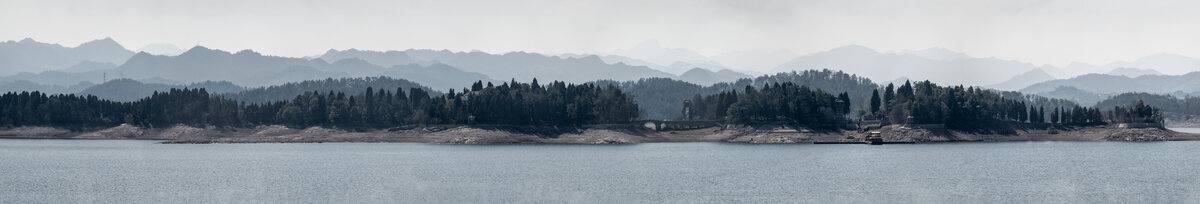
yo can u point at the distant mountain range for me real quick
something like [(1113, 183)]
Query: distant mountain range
[(1091, 88), (886, 66), (1133, 72), (526, 66), (1113, 84), (1074, 94), (23, 85), (247, 68), (28, 55), (678, 60), (1167, 64), (937, 54), (440, 70), (521, 66), (752, 62), (655, 54), (161, 49), (52, 68), (672, 68), (706, 77), (1023, 80), (127, 90)]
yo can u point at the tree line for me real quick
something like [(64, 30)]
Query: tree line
[(968, 107), (772, 103), (557, 104), (662, 98), (958, 107), (1137, 112), (1182, 105), (923, 102), (514, 103)]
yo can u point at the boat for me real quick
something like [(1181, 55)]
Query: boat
[(874, 138)]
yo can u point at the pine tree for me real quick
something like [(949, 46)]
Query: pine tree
[(478, 85), (875, 103)]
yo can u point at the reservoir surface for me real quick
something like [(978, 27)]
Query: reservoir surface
[(140, 171)]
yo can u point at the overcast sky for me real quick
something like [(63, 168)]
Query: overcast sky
[(1038, 31)]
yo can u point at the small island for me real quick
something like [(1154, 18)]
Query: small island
[(561, 113)]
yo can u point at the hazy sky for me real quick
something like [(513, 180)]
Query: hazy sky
[(1039, 31)]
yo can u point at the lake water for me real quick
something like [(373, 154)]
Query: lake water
[(130, 171), (1187, 130)]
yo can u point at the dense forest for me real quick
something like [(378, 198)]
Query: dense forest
[(337, 102), (556, 103), (1136, 112), (785, 102), (125, 90), (969, 107), (1167, 103), (910, 103), (351, 86), (662, 98)]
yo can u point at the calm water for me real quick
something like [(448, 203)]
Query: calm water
[(1188, 130), (120, 171)]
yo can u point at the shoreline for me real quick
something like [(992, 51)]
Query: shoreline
[(610, 134)]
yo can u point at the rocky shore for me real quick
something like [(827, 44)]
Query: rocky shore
[(182, 134)]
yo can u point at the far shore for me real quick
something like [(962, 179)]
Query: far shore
[(614, 134)]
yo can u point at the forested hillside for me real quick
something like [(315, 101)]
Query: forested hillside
[(662, 98), (130, 90), (357, 103), (857, 87), (1167, 103), (957, 107), (556, 103), (786, 102), (966, 108), (350, 86)]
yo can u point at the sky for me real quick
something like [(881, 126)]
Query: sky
[(1054, 32)]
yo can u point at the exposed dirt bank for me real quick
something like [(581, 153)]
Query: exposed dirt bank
[(594, 135)]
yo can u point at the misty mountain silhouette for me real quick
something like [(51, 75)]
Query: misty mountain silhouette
[(1133, 72), (705, 77), (28, 55), (886, 66), (127, 90), (1114, 84), (653, 52), (161, 49), (937, 53), (1074, 94), (1023, 80), (521, 66), (86, 66), (753, 60), (32, 65), (249, 68), (388, 58), (27, 86)]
